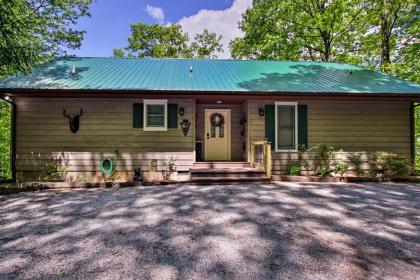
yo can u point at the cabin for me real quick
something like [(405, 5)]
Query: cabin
[(215, 120)]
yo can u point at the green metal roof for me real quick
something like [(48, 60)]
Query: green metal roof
[(94, 73)]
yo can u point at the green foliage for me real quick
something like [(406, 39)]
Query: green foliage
[(356, 162), (33, 31), (389, 165), (297, 29), (324, 171), (169, 167), (341, 167), (378, 34), (118, 53), (293, 170), (52, 168), (206, 45), (169, 42), (54, 172), (157, 41), (5, 138)]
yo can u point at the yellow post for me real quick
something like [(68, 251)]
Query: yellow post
[(252, 153), (268, 163)]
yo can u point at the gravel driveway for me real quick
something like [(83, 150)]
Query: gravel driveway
[(268, 231)]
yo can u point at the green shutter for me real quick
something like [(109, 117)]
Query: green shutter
[(172, 115), (138, 115), (270, 124), (303, 125)]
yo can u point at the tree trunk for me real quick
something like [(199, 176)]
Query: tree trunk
[(327, 47), (385, 46)]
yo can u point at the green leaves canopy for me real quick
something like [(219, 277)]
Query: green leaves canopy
[(297, 29), (381, 34), (32, 31), (168, 41), (206, 45), (157, 41)]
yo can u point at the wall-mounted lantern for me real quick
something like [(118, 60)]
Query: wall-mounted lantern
[(185, 125), (261, 112), (181, 111)]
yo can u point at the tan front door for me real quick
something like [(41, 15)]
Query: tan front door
[(217, 135)]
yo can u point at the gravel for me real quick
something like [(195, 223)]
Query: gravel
[(266, 231)]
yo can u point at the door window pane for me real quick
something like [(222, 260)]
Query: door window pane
[(286, 127)]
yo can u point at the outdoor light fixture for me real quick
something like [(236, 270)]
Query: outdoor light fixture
[(219, 102), (181, 111), (185, 125), (7, 98), (261, 112)]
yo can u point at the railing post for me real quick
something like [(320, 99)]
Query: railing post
[(252, 157), (268, 166)]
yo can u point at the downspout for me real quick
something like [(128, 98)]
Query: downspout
[(9, 100)]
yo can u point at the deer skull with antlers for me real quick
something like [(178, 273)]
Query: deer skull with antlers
[(73, 121)]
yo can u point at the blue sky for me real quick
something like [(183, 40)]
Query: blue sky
[(109, 25)]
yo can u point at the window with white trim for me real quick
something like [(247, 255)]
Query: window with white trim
[(155, 115), (286, 126)]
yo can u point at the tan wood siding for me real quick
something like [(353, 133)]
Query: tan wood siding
[(236, 138), (350, 126), (105, 126)]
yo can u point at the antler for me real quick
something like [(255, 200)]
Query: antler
[(65, 113)]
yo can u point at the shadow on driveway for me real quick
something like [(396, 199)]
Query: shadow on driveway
[(284, 230)]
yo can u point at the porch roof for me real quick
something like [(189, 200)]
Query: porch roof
[(123, 74)]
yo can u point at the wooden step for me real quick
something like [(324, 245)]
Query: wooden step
[(239, 173), (210, 180), (221, 164), (227, 172)]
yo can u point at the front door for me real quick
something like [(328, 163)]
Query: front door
[(217, 134)]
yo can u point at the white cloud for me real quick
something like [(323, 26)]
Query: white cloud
[(223, 22), (156, 13)]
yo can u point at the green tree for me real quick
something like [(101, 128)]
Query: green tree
[(391, 40), (169, 42), (156, 41), (319, 30), (5, 140), (35, 30), (118, 52), (206, 45)]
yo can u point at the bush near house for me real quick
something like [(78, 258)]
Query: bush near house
[(5, 140), (327, 161)]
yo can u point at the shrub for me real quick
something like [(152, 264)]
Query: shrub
[(341, 167), (293, 170), (356, 161), (169, 167), (389, 165), (324, 171)]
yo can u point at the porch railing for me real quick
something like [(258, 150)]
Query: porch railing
[(260, 156)]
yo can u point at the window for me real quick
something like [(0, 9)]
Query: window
[(155, 115), (286, 126)]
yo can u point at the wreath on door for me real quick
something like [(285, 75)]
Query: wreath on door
[(217, 120)]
